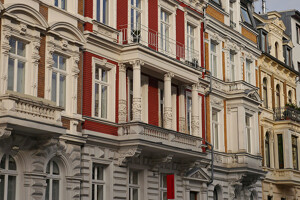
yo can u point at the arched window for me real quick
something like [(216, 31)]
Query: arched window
[(265, 92), (8, 177), (217, 193), (278, 96), (267, 149), (276, 49), (290, 96), (53, 181)]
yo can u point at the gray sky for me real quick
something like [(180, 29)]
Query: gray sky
[(278, 5)]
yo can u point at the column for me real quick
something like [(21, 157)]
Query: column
[(168, 100), (272, 153), (137, 99), (195, 110), (182, 110), (122, 93)]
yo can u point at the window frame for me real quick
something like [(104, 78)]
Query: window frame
[(290, 96), (265, 92), (162, 189), (213, 65), (280, 153), (58, 4), (295, 157), (248, 129), (99, 14), (133, 186), (298, 33), (165, 27), (190, 41), (267, 150), (248, 71), (232, 65), (289, 56), (6, 173), (245, 8), (96, 182), (51, 178), (101, 83), (215, 126)]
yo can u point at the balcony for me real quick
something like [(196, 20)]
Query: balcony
[(284, 176), (286, 113), (30, 115), (160, 43)]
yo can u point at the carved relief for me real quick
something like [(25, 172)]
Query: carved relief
[(137, 108), (5, 132), (182, 124), (124, 154), (168, 117), (122, 110), (195, 125)]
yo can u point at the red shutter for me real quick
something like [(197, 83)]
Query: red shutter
[(170, 187)]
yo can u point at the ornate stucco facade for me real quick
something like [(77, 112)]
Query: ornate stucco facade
[(279, 127)]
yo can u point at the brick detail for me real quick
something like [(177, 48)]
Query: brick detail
[(65, 123), (80, 7), (153, 24), (180, 27), (153, 102), (249, 35), (44, 11), (215, 14), (2, 1), (42, 68), (102, 128)]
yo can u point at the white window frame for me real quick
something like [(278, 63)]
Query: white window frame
[(96, 182), (111, 76), (100, 16), (59, 72), (101, 83), (232, 15), (189, 112), (134, 11), (60, 4), (249, 131), (53, 177), (248, 71), (133, 186), (190, 41), (165, 27), (213, 65), (162, 189), (215, 124), (6, 172), (16, 59)]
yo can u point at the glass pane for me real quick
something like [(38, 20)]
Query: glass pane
[(12, 44), (97, 69), (62, 63), (100, 171), (2, 187), (134, 175), (246, 15), (11, 69), (47, 189), (11, 190), (63, 4), (55, 59), (55, 190), (216, 135), (213, 47), (104, 76), (62, 91), (104, 102), (135, 194), (56, 3), (54, 87), (193, 196), (21, 77), (247, 120), (214, 116), (48, 168), (99, 192), (93, 191), (105, 11), (55, 168), (12, 164), (97, 100), (98, 10), (163, 181), (214, 65), (21, 49), (2, 163), (138, 4)]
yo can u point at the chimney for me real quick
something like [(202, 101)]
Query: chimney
[(263, 7)]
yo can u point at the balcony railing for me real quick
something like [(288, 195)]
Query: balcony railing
[(286, 113), (139, 34)]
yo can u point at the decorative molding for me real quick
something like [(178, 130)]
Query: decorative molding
[(168, 117), (122, 110), (125, 154), (137, 108), (5, 132)]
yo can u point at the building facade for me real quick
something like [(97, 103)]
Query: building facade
[(279, 118), (114, 99)]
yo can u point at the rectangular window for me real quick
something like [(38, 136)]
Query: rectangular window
[(101, 92), (136, 13), (102, 11), (248, 132), (232, 66), (61, 4), (190, 42), (189, 113), (16, 66), (298, 33), (245, 15), (248, 71), (58, 85), (264, 44), (295, 152), (164, 28), (280, 151), (213, 57), (98, 183), (163, 187), (134, 185), (193, 195), (215, 128), (288, 57), (216, 1)]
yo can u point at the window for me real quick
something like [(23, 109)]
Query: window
[(215, 128), (231, 12), (61, 4), (213, 57), (288, 57), (101, 92), (190, 42), (98, 183), (265, 92), (290, 96), (280, 151), (276, 49), (16, 66), (245, 15), (130, 113), (267, 149), (217, 193), (189, 113), (270, 197), (193, 195), (133, 185), (164, 28), (163, 187), (298, 33), (295, 151), (216, 1), (248, 132), (161, 105), (278, 96), (59, 74), (102, 11), (248, 71), (264, 43), (8, 176), (53, 181), (232, 66), (136, 19)]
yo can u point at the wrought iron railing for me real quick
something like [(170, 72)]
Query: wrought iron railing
[(139, 34), (286, 113)]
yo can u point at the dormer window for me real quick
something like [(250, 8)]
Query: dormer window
[(217, 2), (245, 15), (264, 43), (288, 57)]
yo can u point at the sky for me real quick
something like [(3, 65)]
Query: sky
[(278, 5)]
